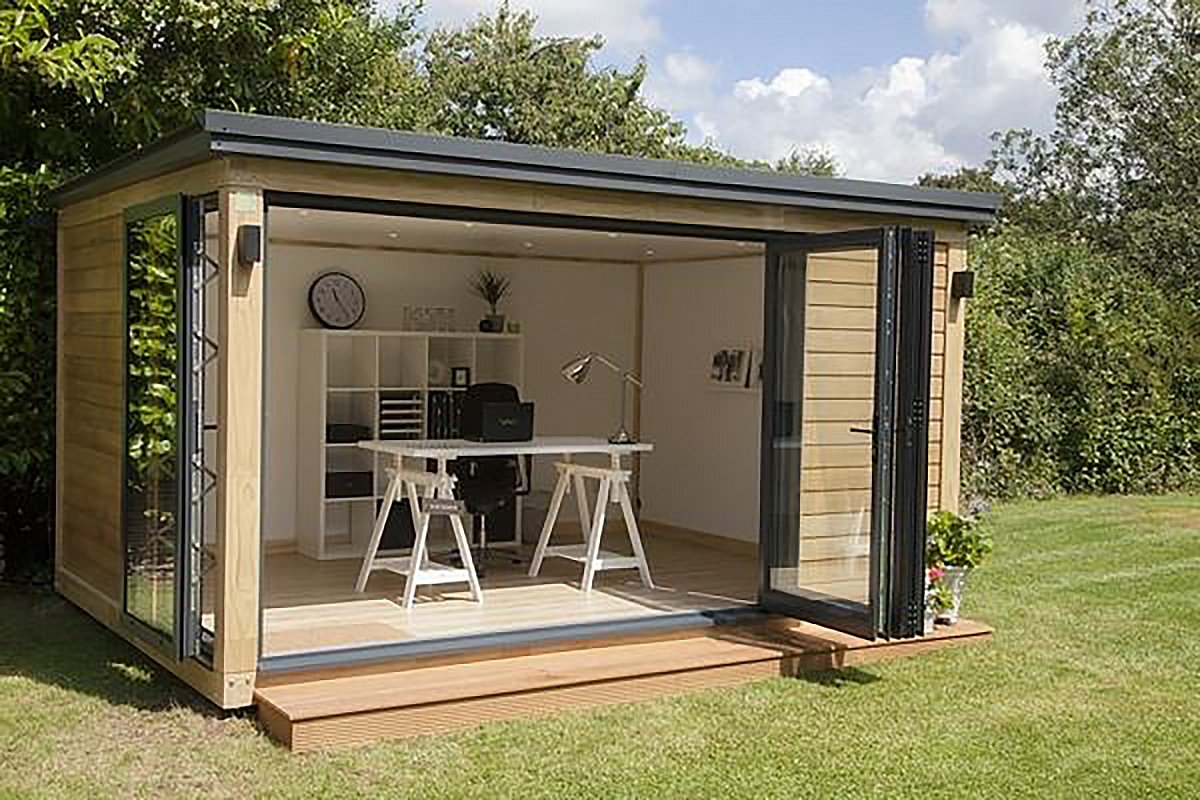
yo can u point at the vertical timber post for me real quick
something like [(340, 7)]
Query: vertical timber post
[(239, 449), (952, 382)]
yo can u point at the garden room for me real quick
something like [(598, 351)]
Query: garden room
[(377, 328)]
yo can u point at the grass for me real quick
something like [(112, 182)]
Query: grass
[(1090, 688)]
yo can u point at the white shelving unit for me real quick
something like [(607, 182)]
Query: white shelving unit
[(380, 380)]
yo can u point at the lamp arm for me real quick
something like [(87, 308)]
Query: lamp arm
[(624, 373)]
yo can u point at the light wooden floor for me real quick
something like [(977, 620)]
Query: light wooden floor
[(311, 605)]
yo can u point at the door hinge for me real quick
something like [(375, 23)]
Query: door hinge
[(916, 420)]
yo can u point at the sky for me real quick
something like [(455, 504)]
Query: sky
[(892, 88)]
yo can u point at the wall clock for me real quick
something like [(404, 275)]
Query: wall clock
[(337, 300)]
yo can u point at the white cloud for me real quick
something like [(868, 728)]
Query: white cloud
[(628, 26), (896, 121), (965, 16), (787, 85), (686, 69)]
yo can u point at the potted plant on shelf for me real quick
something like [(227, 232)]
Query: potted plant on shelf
[(955, 544), (491, 287)]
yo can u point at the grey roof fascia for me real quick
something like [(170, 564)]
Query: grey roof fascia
[(230, 133), (277, 137), (183, 148)]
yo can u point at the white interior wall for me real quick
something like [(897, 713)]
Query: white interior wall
[(565, 308), (703, 473)]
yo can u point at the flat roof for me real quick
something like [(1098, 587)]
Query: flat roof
[(222, 133)]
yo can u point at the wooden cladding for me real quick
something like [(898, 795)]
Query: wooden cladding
[(91, 419), (839, 384)]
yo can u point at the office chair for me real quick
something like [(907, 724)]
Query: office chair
[(488, 484)]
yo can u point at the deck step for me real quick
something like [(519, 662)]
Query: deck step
[(327, 712)]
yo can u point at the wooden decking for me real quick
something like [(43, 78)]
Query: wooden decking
[(333, 709)]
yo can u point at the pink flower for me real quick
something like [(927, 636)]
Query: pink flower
[(936, 574)]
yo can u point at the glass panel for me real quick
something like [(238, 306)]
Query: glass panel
[(204, 386), (824, 440), (152, 434)]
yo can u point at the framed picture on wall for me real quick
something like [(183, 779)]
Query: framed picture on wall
[(736, 367), (729, 367), (460, 377)]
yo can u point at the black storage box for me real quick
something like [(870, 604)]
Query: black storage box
[(398, 533), (506, 422), (493, 412), (349, 484), (346, 433)]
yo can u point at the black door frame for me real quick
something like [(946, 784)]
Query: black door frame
[(182, 641), (899, 431), (915, 346)]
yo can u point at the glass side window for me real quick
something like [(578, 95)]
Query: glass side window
[(152, 464)]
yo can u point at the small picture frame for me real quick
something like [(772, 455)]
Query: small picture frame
[(729, 367), (737, 366), (460, 377)]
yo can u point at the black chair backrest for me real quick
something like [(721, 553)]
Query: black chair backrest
[(490, 482), (475, 397)]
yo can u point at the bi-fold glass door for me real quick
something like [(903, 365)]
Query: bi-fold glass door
[(167, 481), (845, 430)]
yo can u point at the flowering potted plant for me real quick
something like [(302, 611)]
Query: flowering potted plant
[(937, 596), (956, 544)]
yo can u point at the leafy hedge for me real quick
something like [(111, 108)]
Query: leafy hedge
[(27, 366), (1081, 375)]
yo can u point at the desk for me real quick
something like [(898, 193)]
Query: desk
[(414, 482)]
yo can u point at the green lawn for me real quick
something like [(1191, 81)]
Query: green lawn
[(1090, 688)]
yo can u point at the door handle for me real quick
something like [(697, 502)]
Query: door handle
[(868, 431)]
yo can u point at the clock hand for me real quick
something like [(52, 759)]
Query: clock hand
[(338, 298)]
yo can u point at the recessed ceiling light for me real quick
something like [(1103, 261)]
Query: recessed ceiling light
[(527, 245), (393, 235), (649, 251), (613, 234), (741, 244), (468, 224), (304, 212)]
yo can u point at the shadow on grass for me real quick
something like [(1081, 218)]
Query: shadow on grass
[(837, 678), (45, 639)]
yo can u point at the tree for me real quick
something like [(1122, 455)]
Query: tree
[(316, 59), (1122, 165), (1083, 343), (809, 161), (966, 179), (497, 79), (1081, 374), (33, 60), (84, 81)]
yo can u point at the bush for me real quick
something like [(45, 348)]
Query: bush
[(1082, 375), (27, 368)]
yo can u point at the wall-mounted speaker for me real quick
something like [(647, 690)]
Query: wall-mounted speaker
[(962, 285), (249, 245)]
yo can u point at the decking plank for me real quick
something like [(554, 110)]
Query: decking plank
[(356, 708)]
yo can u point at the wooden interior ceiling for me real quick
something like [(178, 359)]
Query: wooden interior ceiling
[(377, 231)]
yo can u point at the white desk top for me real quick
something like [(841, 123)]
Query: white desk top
[(450, 449)]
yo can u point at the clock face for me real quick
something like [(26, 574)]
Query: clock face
[(336, 300)]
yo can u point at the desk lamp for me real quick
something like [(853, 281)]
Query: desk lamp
[(576, 371)]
